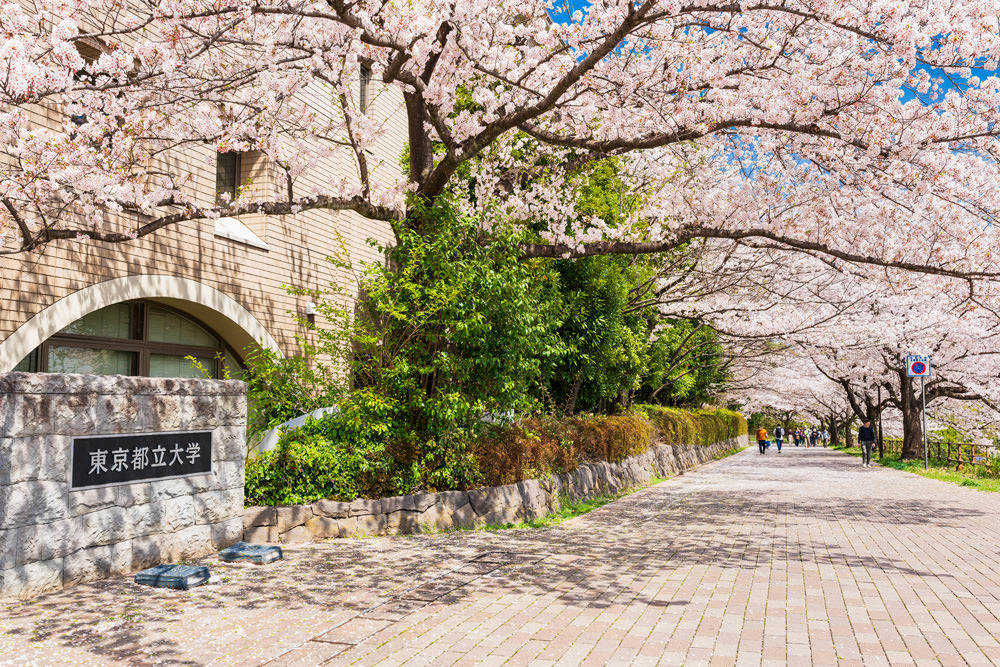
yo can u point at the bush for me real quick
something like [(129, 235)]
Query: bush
[(339, 457), (538, 447), (359, 452), (279, 389), (992, 467), (304, 469), (694, 427)]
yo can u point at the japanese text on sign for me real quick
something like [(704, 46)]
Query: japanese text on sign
[(121, 459)]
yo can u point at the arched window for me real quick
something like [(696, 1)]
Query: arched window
[(134, 338)]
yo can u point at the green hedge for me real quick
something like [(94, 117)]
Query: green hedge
[(344, 457), (537, 447), (694, 427)]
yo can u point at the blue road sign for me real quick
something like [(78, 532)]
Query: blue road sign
[(918, 366)]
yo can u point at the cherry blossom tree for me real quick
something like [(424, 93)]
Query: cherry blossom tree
[(853, 328), (861, 132)]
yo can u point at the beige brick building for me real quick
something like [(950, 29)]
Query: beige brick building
[(200, 287)]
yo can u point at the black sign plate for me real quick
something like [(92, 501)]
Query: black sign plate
[(102, 460)]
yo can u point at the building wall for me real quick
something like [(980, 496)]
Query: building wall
[(297, 248)]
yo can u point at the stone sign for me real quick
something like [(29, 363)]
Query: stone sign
[(105, 475), (121, 459)]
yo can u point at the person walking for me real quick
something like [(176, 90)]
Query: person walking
[(866, 437), (813, 438), (762, 439), (826, 437), (779, 434)]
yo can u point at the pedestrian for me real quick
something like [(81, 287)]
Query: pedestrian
[(779, 434), (813, 437), (866, 436), (762, 439), (826, 437)]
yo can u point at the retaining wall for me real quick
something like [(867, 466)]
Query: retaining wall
[(529, 499), (52, 535)]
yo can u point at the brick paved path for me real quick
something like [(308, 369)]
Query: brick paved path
[(800, 559)]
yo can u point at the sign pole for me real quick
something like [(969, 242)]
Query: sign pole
[(923, 414), (881, 443)]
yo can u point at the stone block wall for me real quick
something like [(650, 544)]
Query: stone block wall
[(52, 536), (530, 499)]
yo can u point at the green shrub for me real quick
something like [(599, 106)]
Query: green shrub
[(542, 446), (367, 450), (694, 427), (341, 456), (282, 388), (304, 469), (362, 451), (990, 468)]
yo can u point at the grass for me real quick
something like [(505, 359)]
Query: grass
[(729, 452), (570, 510), (937, 469), (567, 509)]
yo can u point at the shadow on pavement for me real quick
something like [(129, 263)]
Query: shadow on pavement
[(721, 516)]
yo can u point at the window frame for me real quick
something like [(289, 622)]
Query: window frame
[(364, 84), (90, 49), (237, 169), (140, 345)]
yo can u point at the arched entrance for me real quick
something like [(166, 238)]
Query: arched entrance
[(140, 325)]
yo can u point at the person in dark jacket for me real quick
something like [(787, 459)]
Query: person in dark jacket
[(779, 435), (866, 437)]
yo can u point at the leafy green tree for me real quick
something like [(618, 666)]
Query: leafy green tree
[(606, 345), (451, 336), (685, 364)]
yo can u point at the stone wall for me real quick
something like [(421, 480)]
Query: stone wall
[(529, 499), (52, 536)]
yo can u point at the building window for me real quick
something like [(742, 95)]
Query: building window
[(134, 338), (29, 363), (90, 55), (364, 85), (227, 177)]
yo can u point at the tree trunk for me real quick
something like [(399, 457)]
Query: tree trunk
[(913, 434), (834, 437), (421, 147), (878, 430), (849, 432), (574, 391)]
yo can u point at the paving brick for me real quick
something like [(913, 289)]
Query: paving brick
[(752, 560)]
